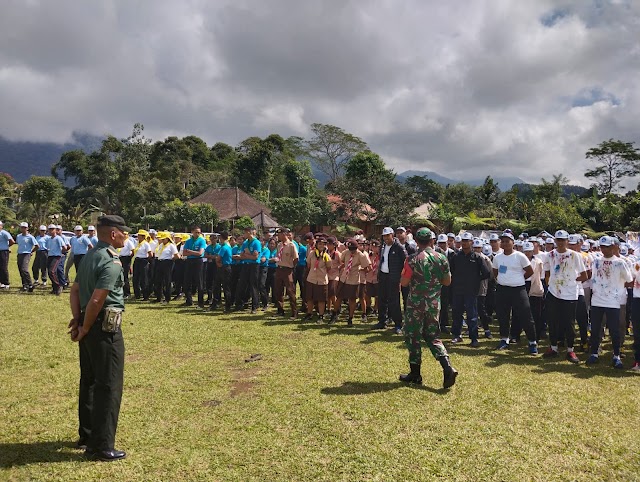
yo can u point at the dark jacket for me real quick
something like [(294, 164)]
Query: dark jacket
[(467, 271), (397, 255)]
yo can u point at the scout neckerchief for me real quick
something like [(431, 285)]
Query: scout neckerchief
[(350, 263), (280, 252), (324, 257), (374, 265)]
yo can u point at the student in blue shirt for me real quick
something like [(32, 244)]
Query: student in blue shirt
[(39, 267), (92, 236), (27, 244), (210, 253), (80, 244), (236, 249), (262, 275), (6, 241), (222, 283), (250, 254), (271, 269), (194, 251), (56, 247)]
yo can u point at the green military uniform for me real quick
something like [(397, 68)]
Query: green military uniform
[(425, 270), (423, 304), (101, 353)]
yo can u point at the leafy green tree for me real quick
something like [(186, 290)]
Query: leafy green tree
[(331, 148), (553, 216), (43, 194), (179, 215), (426, 189), (489, 192), (295, 212), (550, 191), (243, 223), (615, 160), (8, 188)]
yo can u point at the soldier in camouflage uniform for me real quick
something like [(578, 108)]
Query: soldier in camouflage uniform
[(425, 273)]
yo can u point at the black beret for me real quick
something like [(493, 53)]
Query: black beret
[(114, 221)]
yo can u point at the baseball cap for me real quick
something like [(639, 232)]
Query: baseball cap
[(624, 250), (507, 234), (151, 231), (549, 241), (519, 242), (423, 234), (1, 223), (59, 226), (442, 238), (494, 237), (114, 222), (533, 239), (561, 234), (585, 247), (478, 244), (451, 235), (457, 239), (78, 228), (606, 241), (91, 228), (486, 250), (401, 228), (52, 226), (573, 239), (527, 246), (387, 230), (24, 225), (43, 227), (466, 236)]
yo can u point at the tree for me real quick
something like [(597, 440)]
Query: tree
[(244, 222), (295, 212), (426, 189), (546, 216), (489, 192), (550, 191), (43, 194), (181, 216), (614, 160), (331, 148), (8, 187)]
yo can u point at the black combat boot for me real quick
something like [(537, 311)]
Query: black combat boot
[(448, 371), (413, 376)]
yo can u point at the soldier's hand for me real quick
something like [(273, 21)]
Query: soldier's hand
[(79, 335), (73, 328)]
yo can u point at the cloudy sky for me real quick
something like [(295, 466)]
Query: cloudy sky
[(463, 88)]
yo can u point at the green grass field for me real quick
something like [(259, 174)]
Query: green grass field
[(322, 404)]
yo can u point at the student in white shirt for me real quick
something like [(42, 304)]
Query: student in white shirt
[(535, 288), (635, 315), (610, 275), (564, 270), (126, 253), (166, 253), (141, 284), (510, 269)]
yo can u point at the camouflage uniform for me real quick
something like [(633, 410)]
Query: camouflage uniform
[(427, 268)]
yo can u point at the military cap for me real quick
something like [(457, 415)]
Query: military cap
[(309, 235), (113, 221), (332, 240), (424, 234)]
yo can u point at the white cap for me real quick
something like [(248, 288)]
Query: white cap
[(585, 247), (24, 225), (527, 246), (477, 244), (466, 236), (442, 238), (623, 250), (534, 239), (78, 228), (91, 228), (401, 228), (451, 235), (561, 234), (457, 239), (507, 234), (519, 242), (59, 226), (387, 230), (153, 231), (606, 241), (494, 237), (43, 227), (549, 241), (1, 223), (52, 226), (486, 250), (573, 239)]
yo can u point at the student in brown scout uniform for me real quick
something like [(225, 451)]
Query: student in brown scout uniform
[(372, 276), (363, 247), (318, 265), (286, 259), (351, 261), (333, 274)]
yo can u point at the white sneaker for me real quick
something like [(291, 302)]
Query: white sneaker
[(636, 367), (44, 284), (1, 286), (5, 287)]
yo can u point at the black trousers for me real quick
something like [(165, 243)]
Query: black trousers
[(485, 319), (101, 381), (262, 286), (222, 283), (490, 303), (210, 277), (151, 275), (162, 281), (597, 328), (235, 277), (248, 277), (4, 267), (39, 267), (445, 303), (536, 311), (389, 300), (582, 317), (514, 300), (193, 280), (270, 284), (140, 277), (23, 268), (126, 267), (298, 277), (178, 276), (561, 316), (77, 259)]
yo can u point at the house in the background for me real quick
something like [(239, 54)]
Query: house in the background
[(232, 203), (365, 220)]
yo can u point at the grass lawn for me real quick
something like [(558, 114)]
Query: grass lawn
[(322, 404)]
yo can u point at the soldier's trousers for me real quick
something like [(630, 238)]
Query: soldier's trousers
[(23, 267), (39, 267), (101, 381), (422, 325)]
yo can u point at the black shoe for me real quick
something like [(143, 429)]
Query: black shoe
[(413, 376), (81, 444), (449, 373), (105, 455), (333, 319), (253, 312), (445, 330), (378, 326), (308, 317), (187, 304), (350, 322), (30, 289)]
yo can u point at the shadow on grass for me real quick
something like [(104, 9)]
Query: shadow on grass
[(367, 388), (17, 454)]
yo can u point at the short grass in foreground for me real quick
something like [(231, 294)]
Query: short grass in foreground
[(322, 403)]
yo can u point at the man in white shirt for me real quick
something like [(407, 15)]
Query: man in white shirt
[(610, 275), (635, 315), (126, 253), (141, 282), (166, 253), (510, 269), (391, 264), (564, 269)]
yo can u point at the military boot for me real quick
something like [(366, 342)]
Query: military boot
[(413, 376), (448, 371)]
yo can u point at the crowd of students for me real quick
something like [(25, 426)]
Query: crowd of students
[(542, 286)]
